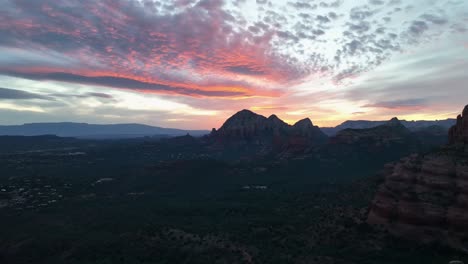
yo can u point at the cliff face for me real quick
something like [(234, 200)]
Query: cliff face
[(458, 134), (425, 198)]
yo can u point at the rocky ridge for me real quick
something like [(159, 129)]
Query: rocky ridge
[(391, 131), (411, 125), (425, 197), (458, 134)]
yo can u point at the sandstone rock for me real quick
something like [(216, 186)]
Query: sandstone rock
[(425, 197), (249, 126), (458, 134)]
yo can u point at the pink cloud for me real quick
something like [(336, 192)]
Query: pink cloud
[(195, 52)]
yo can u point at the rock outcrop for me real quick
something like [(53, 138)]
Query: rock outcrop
[(249, 126), (425, 197), (458, 134)]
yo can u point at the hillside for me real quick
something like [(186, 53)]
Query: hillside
[(411, 125), (95, 131)]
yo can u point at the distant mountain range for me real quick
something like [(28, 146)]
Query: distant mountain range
[(411, 125), (249, 134), (94, 131), (272, 125), (390, 131)]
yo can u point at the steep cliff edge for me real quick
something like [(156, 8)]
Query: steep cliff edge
[(425, 197), (458, 134)]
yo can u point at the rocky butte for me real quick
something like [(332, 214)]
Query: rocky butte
[(425, 197), (248, 127)]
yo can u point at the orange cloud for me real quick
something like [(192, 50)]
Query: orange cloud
[(120, 44)]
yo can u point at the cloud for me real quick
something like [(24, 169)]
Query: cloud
[(103, 96), (439, 20), (360, 13), (12, 94), (221, 55), (123, 83), (200, 48), (417, 28), (414, 104), (323, 19), (100, 95), (180, 53), (301, 5), (376, 2)]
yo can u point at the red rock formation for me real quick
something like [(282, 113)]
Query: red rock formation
[(425, 198), (247, 125), (458, 134)]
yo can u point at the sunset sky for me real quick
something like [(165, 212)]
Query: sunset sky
[(193, 63)]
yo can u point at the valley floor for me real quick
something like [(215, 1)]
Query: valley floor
[(140, 202)]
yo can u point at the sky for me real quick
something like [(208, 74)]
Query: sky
[(193, 63)]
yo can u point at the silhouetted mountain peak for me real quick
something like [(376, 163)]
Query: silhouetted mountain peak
[(244, 113), (306, 128), (304, 123), (276, 122), (243, 118), (247, 125), (394, 122)]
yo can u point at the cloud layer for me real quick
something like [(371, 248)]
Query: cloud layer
[(214, 55)]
